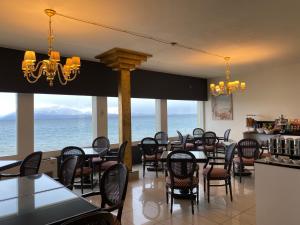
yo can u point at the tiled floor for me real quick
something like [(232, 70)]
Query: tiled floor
[(146, 204)]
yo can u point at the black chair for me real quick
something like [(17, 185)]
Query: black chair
[(178, 144), (220, 146), (248, 152), (209, 142), (29, 166), (151, 156), (113, 188), (223, 174), (110, 160), (82, 170), (67, 171), (161, 136), (92, 218), (100, 142), (182, 174), (197, 134)]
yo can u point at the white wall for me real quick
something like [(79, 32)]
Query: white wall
[(270, 92)]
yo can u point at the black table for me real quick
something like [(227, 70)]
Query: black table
[(7, 164), (199, 155), (91, 152), (38, 200)]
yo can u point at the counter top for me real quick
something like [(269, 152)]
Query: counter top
[(285, 134), (278, 163)]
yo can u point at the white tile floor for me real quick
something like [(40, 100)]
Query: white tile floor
[(146, 204)]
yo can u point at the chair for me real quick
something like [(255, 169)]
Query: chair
[(161, 136), (197, 134), (178, 144), (29, 166), (248, 152), (220, 146), (151, 156), (219, 174), (182, 175), (110, 160), (92, 218), (209, 142), (81, 170), (100, 142), (67, 171), (113, 188)]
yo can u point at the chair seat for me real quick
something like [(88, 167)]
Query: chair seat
[(183, 183), (151, 157), (96, 160), (85, 171), (208, 148), (106, 164), (246, 161), (189, 145), (216, 172), (220, 145)]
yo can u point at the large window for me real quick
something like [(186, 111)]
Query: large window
[(8, 129), (182, 116), (113, 120), (62, 120), (142, 118)]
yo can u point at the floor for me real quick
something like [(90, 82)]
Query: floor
[(146, 204)]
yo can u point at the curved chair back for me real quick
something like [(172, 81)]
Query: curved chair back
[(67, 171), (248, 148), (101, 142), (185, 141), (31, 164), (149, 147), (121, 152), (181, 164), (180, 137), (209, 138), (73, 151), (113, 188), (229, 154), (161, 136), (226, 134), (93, 218), (198, 132)]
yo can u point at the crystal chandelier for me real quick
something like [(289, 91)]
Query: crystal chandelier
[(227, 87), (50, 67)]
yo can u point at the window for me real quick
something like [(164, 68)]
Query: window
[(62, 120), (142, 118), (182, 116), (8, 128), (113, 120)]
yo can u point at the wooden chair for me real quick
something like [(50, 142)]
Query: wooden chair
[(161, 136), (92, 218), (67, 172), (100, 142), (182, 175), (220, 174), (151, 156), (113, 188), (209, 142), (220, 146), (248, 152)]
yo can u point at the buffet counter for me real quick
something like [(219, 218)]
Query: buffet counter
[(265, 137), (277, 192)]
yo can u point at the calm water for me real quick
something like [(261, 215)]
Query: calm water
[(57, 133)]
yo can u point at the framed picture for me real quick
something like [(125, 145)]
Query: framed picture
[(222, 108)]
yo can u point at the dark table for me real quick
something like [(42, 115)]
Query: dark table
[(38, 200), (199, 155), (94, 152), (7, 164)]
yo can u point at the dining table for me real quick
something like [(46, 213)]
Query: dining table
[(8, 164), (91, 152), (38, 200), (199, 155)]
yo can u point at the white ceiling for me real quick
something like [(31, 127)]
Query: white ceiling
[(254, 33)]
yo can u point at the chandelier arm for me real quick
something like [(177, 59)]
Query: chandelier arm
[(74, 76), (37, 67), (61, 73)]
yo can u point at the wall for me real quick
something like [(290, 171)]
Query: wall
[(270, 92)]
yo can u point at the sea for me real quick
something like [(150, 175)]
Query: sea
[(55, 134)]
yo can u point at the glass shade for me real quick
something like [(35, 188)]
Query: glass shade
[(212, 86), (55, 55), (69, 62), (30, 56), (24, 65), (243, 85), (76, 60)]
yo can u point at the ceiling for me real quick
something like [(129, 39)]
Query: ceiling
[(257, 33)]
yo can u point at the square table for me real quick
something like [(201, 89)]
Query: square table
[(199, 155), (7, 164), (94, 152), (38, 200)]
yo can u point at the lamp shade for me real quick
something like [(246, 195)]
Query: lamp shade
[(55, 55), (76, 60), (69, 62), (30, 56)]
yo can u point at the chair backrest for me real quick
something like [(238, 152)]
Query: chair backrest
[(180, 136), (121, 152), (226, 134), (248, 148), (113, 188), (229, 154), (73, 151), (67, 171), (31, 164), (198, 132), (93, 218), (161, 136), (185, 141), (181, 164), (209, 138), (101, 142), (149, 146)]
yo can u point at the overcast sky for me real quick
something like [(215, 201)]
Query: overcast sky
[(84, 104)]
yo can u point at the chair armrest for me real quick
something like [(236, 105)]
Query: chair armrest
[(217, 163), (86, 195), (9, 175)]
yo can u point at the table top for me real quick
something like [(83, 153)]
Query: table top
[(199, 155), (94, 152), (160, 143), (30, 200), (7, 164)]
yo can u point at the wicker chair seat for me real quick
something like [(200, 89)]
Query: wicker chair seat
[(85, 171), (106, 164), (207, 148), (97, 160), (220, 145), (182, 183), (151, 157), (216, 173), (189, 145), (246, 161)]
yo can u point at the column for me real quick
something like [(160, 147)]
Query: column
[(161, 114), (99, 116), (201, 114)]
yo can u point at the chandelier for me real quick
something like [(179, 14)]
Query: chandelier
[(227, 87), (50, 67)]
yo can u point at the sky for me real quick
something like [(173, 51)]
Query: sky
[(84, 104)]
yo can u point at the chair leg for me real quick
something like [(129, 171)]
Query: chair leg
[(172, 195), (81, 183), (208, 190), (230, 188), (226, 187), (197, 194), (192, 200), (156, 169), (92, 181), (240, 172), (204, 183), (144, 169), (167, 194)]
